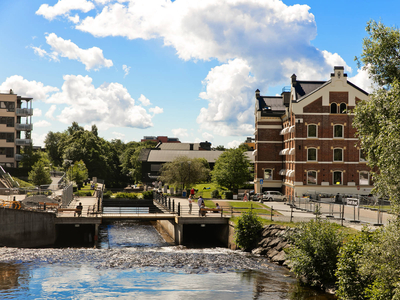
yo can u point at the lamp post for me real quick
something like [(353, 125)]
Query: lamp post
[(189, 162)]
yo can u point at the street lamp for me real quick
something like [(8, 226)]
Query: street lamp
[(189, 162)]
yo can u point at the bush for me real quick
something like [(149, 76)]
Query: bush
[(147, 195), (215, 194), (127, 195), (248, 231), (228, 195), (351, 283), (314, 251), (83, 193), (107, 195)]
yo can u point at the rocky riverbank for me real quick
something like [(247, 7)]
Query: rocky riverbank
[(273, 243)]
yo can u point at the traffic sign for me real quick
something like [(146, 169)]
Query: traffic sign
[(261, 181)]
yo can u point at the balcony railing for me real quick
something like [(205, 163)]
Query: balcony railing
[(24, 112), (23, 142), (26, 127), (18, 157)]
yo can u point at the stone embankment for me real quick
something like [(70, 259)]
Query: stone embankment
[(273, 243)]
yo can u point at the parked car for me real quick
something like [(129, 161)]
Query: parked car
[(274, 196), (257, 197)]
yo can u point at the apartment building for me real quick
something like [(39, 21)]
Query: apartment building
[(15, 127), (305, 141)]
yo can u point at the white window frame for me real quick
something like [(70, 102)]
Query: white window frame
[(341, 177), (316, 153), (316, 131), (338, 137), (359, 178), (316, 177), (334, 154), (271, 172)]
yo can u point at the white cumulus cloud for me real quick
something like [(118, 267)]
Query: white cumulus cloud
[(126, 70), (26, 88), (109, 105), (42, 123), (92, 58), (144, 100), (63, 7), (233, 144), (50, 112), (156, 110), (180, 132), (37, 112)]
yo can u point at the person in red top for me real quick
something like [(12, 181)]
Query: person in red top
[(192, 192)]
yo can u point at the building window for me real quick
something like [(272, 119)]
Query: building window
[(155, 167), (311, 177), (337, 178), (268, 174), (364, 178), (338, 154), (338, 131), (343, 108), (333, 108), (362, 156), (312, 131), (311, 154)]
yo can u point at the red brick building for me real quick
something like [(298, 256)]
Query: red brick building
[(305, 141)]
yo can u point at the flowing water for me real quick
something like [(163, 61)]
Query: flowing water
[(133, 261)]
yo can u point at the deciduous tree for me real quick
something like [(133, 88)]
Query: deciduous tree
[(40, 173), (232, 169)]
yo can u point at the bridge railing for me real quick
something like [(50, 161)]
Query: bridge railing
[(167, 203)]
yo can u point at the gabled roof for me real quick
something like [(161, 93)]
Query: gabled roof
[(303, 88), (273, 103), (317, 88)]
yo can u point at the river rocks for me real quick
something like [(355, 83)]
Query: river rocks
[(273, 244)]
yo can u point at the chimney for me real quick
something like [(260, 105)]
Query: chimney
[(294, 77), (257, 93)]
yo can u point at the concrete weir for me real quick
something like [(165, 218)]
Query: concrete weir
[(198, 231)]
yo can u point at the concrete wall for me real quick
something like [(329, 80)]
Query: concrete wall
[(20, 228)]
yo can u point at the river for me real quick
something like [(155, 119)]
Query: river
[(133, 261)]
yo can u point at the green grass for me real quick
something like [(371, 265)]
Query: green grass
[(22, 183), (206, 193)]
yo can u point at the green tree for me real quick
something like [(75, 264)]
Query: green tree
[(248, 230), (30, 157), (220, 148), (378, 127), (184, 171), (232, 169), (40, 173), (78, 172), (314, 250), (380, 54), (52, 142)]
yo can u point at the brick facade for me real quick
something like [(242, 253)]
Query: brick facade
[(312, 146)]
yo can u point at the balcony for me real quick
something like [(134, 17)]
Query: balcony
[(24, 112), (24, 127), (23, 142), (18, 157)]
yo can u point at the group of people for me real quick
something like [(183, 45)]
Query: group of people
[(200, 201)]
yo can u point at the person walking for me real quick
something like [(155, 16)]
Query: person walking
[(245, 196), (192, 193), (190, 204)]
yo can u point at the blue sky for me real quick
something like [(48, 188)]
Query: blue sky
[(185, 69)]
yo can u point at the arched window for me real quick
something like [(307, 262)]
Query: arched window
[(338, 131), (312, 131), (364, 178), (268, 174), (312, 154), (338, 154), (333, 108), (343, 108), (311, 177), (338, 178)]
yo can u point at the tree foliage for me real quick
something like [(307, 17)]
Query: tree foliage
[(314, 251), (232, 169), (40, 173), (248, 230), (78, 172), (380, 54), (378, 126), (184, 171)]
